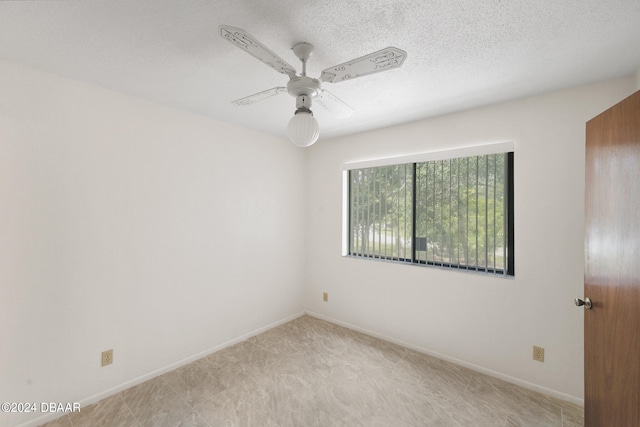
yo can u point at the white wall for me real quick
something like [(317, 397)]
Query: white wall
[(638, 79), (485, 322), (129, 225)]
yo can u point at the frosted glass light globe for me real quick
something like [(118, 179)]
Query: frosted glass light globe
[(303, 129)]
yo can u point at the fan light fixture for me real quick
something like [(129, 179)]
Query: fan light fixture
[(303, 129)]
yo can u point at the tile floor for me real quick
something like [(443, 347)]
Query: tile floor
[(309, 372)]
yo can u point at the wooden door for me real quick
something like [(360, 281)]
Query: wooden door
[(612, 267)]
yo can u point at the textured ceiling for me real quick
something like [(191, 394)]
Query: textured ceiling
[(461, 54)]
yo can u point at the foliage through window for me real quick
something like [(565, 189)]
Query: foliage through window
[(455, 213)]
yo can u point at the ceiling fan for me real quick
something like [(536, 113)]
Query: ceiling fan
[(303, 128)]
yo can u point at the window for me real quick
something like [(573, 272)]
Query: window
[(454, 212)]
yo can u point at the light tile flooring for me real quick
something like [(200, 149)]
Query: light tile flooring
[(309, 372)]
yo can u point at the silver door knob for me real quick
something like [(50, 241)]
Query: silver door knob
[(586, 302)]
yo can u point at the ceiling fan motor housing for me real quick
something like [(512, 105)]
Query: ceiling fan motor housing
[(303, 85)]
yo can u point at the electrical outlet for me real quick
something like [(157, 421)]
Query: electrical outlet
[(538, 354), (107, 357), (325, 297)]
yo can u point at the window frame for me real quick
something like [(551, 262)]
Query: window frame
[(480, 150)]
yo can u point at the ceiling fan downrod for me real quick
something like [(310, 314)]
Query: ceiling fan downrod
[(303, 51)]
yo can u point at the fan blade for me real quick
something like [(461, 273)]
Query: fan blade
[(382, 60), (247, 42), (260, 96), (333, 104)]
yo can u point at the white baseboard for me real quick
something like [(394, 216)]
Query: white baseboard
[(150, 375), (504, 377)]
